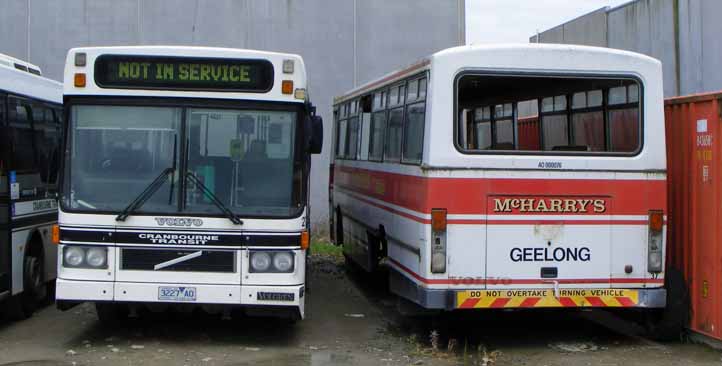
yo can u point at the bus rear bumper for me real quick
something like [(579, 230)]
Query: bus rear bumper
[(453, 299), (74, 291)]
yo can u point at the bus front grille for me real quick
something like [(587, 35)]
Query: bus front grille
[(179, 260)]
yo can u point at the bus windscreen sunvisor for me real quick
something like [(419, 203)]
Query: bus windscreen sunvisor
[(183, 73)]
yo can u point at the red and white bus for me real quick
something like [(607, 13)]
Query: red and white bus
[(511, 176)]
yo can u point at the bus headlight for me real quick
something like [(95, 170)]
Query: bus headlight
[(85, 257), (73, 256), (283, 261), (271, 262), (96, 257), (260, 261)]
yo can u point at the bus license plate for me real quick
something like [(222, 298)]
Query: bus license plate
[(176, 293)]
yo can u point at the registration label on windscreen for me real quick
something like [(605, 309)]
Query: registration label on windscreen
[(168, 293)]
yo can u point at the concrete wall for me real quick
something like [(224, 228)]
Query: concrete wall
[(683, 34), (589, 29), (647, 26), (700, 45), (343, 42)]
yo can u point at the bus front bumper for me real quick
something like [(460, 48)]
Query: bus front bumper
[(243, 295)]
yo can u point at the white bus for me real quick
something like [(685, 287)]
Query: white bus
[(511, 176), (185, 180), (30, 120)]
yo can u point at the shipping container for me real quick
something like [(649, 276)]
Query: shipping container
[(695, 188)]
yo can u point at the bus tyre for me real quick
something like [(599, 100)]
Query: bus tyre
[(339, 227), (111, 314), (23, 305), (668, 324)]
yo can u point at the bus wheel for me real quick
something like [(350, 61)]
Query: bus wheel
[(111, 314), (339, 227), (23, 305), (668, 324)]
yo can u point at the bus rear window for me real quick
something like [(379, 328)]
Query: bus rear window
[(548, 114)]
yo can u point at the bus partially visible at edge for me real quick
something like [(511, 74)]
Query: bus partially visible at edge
[(185, 180), (30, 137), (510, 177)]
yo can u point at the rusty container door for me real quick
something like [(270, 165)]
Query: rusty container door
[(695, 221)]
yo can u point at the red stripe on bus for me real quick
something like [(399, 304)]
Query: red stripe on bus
[(469, 195), (497, 221), (509, 281), (529, 302), (624, 301), (499, 303), (469, 303), (567, 302), (595, 301)]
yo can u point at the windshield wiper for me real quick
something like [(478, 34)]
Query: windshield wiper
[(145, 195), (207, 192)]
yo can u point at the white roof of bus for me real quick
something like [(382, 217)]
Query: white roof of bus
[(25, 83), (276, 58), (520, 57)]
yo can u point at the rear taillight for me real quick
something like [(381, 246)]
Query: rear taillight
[(438, 240), (655, 257)]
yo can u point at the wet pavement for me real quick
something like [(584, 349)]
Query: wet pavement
[(350, 320)]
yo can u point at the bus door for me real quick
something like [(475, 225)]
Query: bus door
[(531, 242)]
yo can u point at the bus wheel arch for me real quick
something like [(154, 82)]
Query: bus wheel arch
[(24, 304)]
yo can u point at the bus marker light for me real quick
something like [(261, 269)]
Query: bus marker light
[(80, 59), (56, 234), (304, 240), (300, 94), (287, 87), (655, 242), (438, 219), (79, 80), (656, 220), (288, 66)]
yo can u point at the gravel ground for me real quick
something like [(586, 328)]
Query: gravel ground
[(351, 320)]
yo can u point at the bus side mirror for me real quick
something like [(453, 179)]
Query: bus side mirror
[(316, 138)]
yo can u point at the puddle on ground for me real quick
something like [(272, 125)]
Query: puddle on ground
[(313, 359), (40, 363)]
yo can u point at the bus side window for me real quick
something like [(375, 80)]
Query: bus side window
[(352, 130), (414, 122), (341, 138), (378, 127), (46, 130), (393, 134), (20, 132), (365, 121)]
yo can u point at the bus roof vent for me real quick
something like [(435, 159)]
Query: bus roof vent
[(18, 64)]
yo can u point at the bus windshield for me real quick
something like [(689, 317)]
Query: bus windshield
[(244, 157)]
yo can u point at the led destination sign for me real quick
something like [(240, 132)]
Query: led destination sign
[(183, 73)]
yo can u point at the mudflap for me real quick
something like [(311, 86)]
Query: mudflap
[(668, 324)]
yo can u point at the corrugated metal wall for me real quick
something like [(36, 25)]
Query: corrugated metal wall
[(343, 42), (683, 34)]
